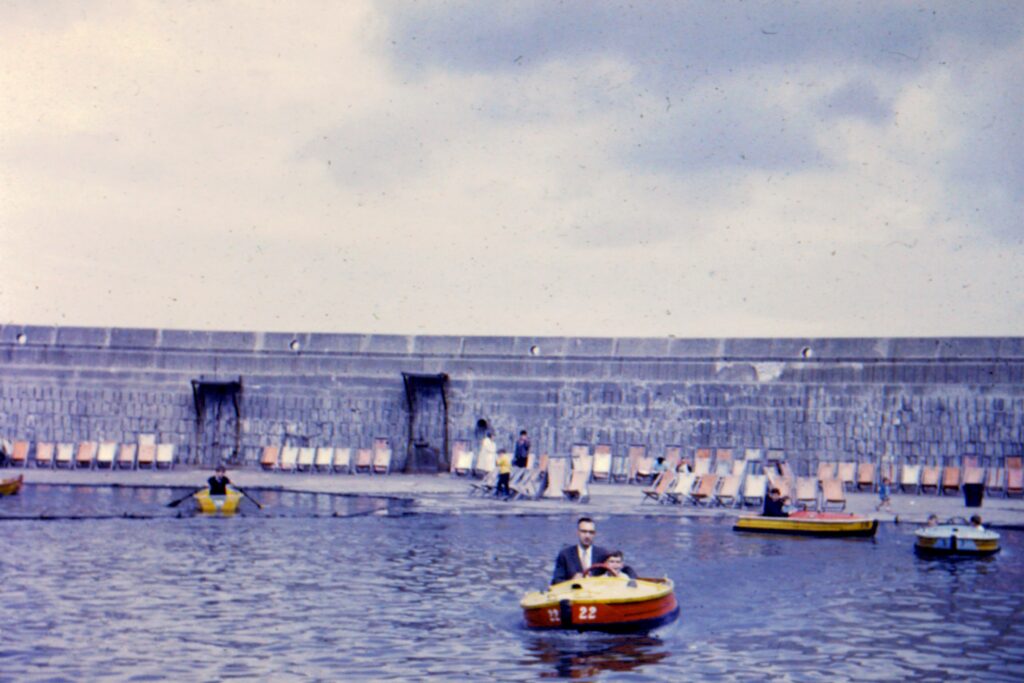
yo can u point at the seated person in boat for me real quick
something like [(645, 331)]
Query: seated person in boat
[(219, 482), (933, 520), (775, 504), (616, 566), (976, 523), (573, 560)]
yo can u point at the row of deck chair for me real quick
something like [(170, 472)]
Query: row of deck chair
[(376, 460), (92, 455), (1008, 480)]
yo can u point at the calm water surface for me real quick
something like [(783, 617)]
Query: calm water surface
[(334, 588)]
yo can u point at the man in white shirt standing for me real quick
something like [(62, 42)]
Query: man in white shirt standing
[(574, 560)]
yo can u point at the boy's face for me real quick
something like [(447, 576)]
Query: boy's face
[(615, 562)]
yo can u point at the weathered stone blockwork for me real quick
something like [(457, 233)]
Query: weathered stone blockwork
[(842, 398)]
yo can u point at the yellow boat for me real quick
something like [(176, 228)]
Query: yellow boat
[(955, 537), (602, 603), (806, 523), (212, 505), (9, 487)]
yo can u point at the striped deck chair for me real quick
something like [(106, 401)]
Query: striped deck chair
[(557, 467), (723, 462), (364, 460), (702, 461), (289, 458), (462, 459), (105, 455), (704, 490), (833, 495), (681, 489), (659, 488), (85, 456), (304, 463), (826, 470), (44, 454), (637, 454), (866, 476), (324, 458), (910, 477), (146, 456), (728, 491), (807, 493), (19, 454), (602, 462), (65, 455), (754, 489), (930, 477), (577, 488), (847, 474), (342, 460), (950, 479), (381, 456), (126, 456), (270, 457)]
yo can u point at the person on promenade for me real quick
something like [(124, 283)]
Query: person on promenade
[(573, 560), (884, 495), (775, 504), (488, 451), (522, 452), (504, 465), (616, 566), (218, 483)]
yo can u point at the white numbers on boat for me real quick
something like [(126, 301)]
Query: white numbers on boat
[(553, 616), (587, 612)]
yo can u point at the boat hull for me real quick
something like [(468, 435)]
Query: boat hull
[(810, 524), (9, 487), (604, 604), (217, 505), (955, 541)]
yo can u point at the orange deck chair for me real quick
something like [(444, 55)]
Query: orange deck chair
[(364, 460), (577, 488), (44, 454), (950, 479), (704, 490), (728, 491), (557, 468), (324, 459), (126, 456), (930, 478), (973, 472), (833, 496), (847, 474), (1014, 476), (270, 456), (807, 492), (602, 462), (19, 454), (673, 456), (702, 461), (146, 456), (637, 454), (86, 454), (826, 470), (342, 460), (660, 486), (381, 456), (866, 476), (723, 461)]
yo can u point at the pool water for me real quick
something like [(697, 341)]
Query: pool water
[(365, 589)]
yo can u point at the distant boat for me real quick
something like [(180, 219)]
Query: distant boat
[(955, 537), (808, 523), (9, 487)]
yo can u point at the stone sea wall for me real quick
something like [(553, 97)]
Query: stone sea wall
[(920, 398)]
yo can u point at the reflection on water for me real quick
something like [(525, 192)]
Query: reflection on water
[(298, 593)]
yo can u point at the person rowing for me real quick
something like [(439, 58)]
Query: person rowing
[(218, 483)]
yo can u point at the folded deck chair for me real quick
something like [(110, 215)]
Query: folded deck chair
[(529, 487), (702, 461), (270, 456), (930, 476), (146, 457), (910, 478), (723, 462), (728, 491), (1014, 481), (85, 456), (681, 488), (381, 459), (44, 454), (485, 486), (364, 460), (634, 456), (324, 458), (19, 454), (105, 455), (754, 489), (950, 479), (462, 459), (289, 458), (342, 460), (807, 492), (304, 463), (660, 487), (126, 456), (833, 495), (65, 455), (557, 468), (995, 480), (704, 490), (577, 488), (866, 476), (826, 470), (847, 473), (602, 462)]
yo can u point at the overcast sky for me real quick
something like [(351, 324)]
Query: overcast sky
[(697, 169)]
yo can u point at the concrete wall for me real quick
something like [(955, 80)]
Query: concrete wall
[(842, 398)]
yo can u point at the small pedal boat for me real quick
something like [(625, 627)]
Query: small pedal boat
[(955, 537), (809, 523), (211, 505), (9, 487), (602, 603)]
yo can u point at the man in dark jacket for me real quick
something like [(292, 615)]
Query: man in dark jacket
[(522, 452), (573, 560)]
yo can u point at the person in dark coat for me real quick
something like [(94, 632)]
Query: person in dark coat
[(218, 483), (775, 504), (573, 560), (522, 452)]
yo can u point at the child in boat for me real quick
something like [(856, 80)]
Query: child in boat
[(504, 464), (219, 482), (976, 522), (616, 563), (884, 495)]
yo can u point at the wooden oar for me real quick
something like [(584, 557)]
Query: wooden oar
[(242, 491), (179, 501)]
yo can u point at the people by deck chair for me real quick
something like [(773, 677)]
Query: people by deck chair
[(557, 468), (270, 457), (660, 487), (865, 476), (833, 495), (324, 458), (44, 454), (704, 490), (65, 455), (343, 460), (681, 488), (754, 489), (950, 479), (105, 455), (602, 462), (728, 491), (126, 456), (807, 493), (910, 477)]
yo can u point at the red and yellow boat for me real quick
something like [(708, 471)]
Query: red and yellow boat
[(602, 603), (810, 523), (9, 487)]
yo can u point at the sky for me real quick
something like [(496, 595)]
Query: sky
[(645, 169)]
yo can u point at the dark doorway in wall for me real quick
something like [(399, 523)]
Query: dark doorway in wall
[(218, 436), (427, 399)]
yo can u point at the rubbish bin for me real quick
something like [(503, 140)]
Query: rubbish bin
[(973, 494)]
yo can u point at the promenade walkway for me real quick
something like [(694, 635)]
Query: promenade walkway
[(442, 493)]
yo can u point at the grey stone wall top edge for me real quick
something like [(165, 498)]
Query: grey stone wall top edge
[(781, 348)]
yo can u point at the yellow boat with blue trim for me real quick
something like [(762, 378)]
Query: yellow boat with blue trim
[(810, 523), (213, 505)]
